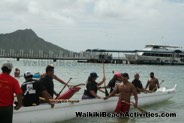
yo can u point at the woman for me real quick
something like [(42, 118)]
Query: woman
[(115, 80), (92, 87)]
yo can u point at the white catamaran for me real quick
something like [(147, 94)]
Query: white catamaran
[(66, 111), (157, 54)]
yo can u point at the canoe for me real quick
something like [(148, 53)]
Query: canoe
[(66, 111)]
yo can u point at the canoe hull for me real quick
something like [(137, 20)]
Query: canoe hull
[(66, 111)]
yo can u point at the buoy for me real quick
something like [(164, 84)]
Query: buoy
[(69, 93)]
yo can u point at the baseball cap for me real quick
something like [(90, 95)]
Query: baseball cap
[(118, 74), (93, 74), (7, 64), (27, 74), (125, 75)]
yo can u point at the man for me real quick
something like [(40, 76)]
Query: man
[(152, 83), (54, 77), (17, 72), (32, 89), (8, 86), (47, 81), (125, 90), (138, 85)]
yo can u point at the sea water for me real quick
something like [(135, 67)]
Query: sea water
[(80, 71)]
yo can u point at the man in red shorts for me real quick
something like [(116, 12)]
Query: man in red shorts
[(125, 90), (8, 86)]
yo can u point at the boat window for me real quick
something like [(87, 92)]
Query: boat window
[(146, 54), (182, 56), (156, 47), (182, 60)]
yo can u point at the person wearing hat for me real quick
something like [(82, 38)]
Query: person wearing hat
[(92, 87), (114, 81), (125, 89), (8, 87), (32, 89)]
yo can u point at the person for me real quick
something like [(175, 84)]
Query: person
[(32, 89), (17, 72), (8, 87), (152, 83), (138, 84), (125, 89), (92, 87), (115, 80), (54, 77), (47, 81)]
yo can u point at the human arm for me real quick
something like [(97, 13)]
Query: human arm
[(60, 80), (158, 85), (135, 95), (142, 90), (113, 92), (18, 92), (55, 93), (147, 84), (19, 103), (92, 92), (103, 80), (47, 96)]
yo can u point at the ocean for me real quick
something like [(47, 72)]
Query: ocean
[(80, 71)]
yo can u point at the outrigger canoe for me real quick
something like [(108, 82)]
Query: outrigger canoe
[(66, 111)]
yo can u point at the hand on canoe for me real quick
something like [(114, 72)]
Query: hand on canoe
[(134, 104), (18, 106), (52, 105)]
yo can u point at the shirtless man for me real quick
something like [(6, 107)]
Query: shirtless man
[(125, 89), (152, 83)]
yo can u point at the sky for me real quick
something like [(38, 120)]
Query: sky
[(78, 25)]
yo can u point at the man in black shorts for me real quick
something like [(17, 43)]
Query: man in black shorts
[(32, 89), (138, 85)]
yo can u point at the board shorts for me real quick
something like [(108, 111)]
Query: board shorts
[(122, 107)]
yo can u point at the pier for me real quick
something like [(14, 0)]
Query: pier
[(91, 57)]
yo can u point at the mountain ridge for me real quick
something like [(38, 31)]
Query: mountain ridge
[(28, 40)]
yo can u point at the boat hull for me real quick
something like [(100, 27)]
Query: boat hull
[(66, 111), (156, 60)]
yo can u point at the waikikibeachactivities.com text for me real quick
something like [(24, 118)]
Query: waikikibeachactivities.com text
[(135, 114)]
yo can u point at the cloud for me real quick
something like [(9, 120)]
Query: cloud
[(100, 23)]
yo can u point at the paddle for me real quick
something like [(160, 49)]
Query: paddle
[(106, 92), (63, 101), (63, 88), (59, 100), (140, 109), (156, 87), (79, 84)]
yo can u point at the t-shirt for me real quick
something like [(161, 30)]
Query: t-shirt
[(137, 83), (47, 82), (8, 86), (91, 86), (31, 91)]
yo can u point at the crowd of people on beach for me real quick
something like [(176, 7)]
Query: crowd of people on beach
[(29, 93)]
